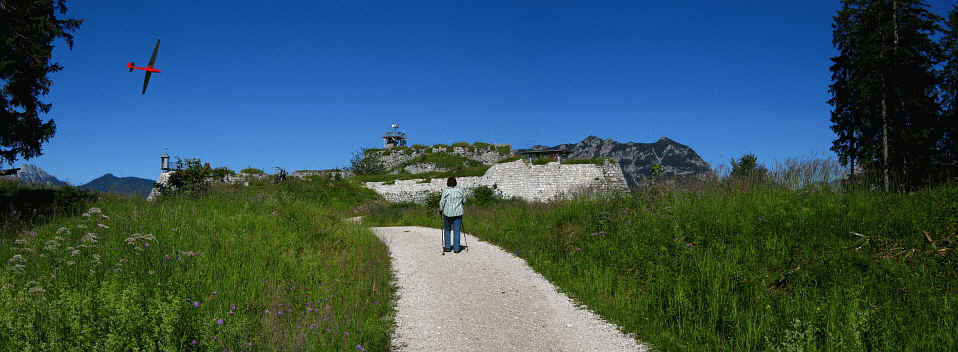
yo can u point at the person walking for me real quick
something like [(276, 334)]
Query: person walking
[(450, 207)]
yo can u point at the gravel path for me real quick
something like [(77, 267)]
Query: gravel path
[(484, 300)]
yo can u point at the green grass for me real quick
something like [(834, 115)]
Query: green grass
[(125, 275), (542, 161), (509, 159), (596, 161), (740, 266), (464, 172)]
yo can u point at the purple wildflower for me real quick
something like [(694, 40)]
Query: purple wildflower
[(313, 326), (233, 307), (249, 343), (328, 307), (346, 333), (307, 304), (146, 244), (219, 321), (231, 312), (279, 312), (214, 293), (327, 299), (690, 245), (194, 342), (196, 304), (309, 310), (214, 337), (360, 347)]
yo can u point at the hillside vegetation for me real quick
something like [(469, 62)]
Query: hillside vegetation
[(264, 267), (744, 263)]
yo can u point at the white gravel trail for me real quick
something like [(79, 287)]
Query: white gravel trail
[(484, 300)]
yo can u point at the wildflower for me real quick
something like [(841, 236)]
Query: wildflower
[(75, 252), (167, 256), (309, 310), (103, 226), (151, 272), (577, 249), (312, 326), (377, 302), (279, 312), (346, 333), (231, 312), (214, 337), (219, 321), (233, 306), (690, 245), (265, 311), (328, 307), (20, 242), (249, 344), (196, 304), (90, 237), (360, 347), (62, 230), (194, 342), (146, 244), (70, 262), (214, 293)]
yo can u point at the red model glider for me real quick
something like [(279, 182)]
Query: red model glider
[(149, 68)]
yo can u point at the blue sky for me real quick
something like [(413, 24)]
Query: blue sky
[(304, 85)]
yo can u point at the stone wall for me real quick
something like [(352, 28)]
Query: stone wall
[(520, 179)]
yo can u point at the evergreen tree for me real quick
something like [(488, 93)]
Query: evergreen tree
[(885, 107), (948, 144), (27, 31)]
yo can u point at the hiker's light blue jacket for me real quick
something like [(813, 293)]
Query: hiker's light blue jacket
[(451, 201)]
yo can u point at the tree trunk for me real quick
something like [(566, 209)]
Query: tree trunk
[(884, 132)]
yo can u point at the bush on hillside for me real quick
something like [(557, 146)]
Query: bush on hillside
[(483, 195), (252, 171), (432, 200), (542, 161), (193, 180), (509, 159), (365, 162)]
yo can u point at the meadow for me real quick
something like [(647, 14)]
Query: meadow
[(746, 264), (264, 267)]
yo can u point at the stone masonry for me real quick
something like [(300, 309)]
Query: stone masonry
[(520, 179)]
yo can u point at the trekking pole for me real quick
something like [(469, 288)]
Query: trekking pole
[(462, 229), (442, 233)]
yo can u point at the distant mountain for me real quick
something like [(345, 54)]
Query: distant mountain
[(34, 175), (136, 186), (637, 159)]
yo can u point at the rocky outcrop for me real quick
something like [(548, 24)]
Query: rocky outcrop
[(519, 179), (394, 157), (34, 175), (637, 159)]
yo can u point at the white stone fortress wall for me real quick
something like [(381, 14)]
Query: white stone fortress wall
[(520, 179)]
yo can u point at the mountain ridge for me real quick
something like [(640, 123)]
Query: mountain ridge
[(638, 159)]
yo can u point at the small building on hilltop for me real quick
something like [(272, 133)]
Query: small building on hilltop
[(394, 138)]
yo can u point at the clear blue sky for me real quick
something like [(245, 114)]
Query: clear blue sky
[(303, 85)]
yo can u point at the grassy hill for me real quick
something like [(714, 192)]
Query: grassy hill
[(264, 267), (742, 265)]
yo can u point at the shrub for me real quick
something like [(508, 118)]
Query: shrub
[(221, 172), (365, 162), (509, 159), (420, 146), (461, 145), (483, 195), (191, 181), (432, 200), (504, 149), (252, 171), (542, 161), (596, 161), (481, 145)]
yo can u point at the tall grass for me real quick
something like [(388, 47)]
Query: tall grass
[(264, 267), (773, 263)]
